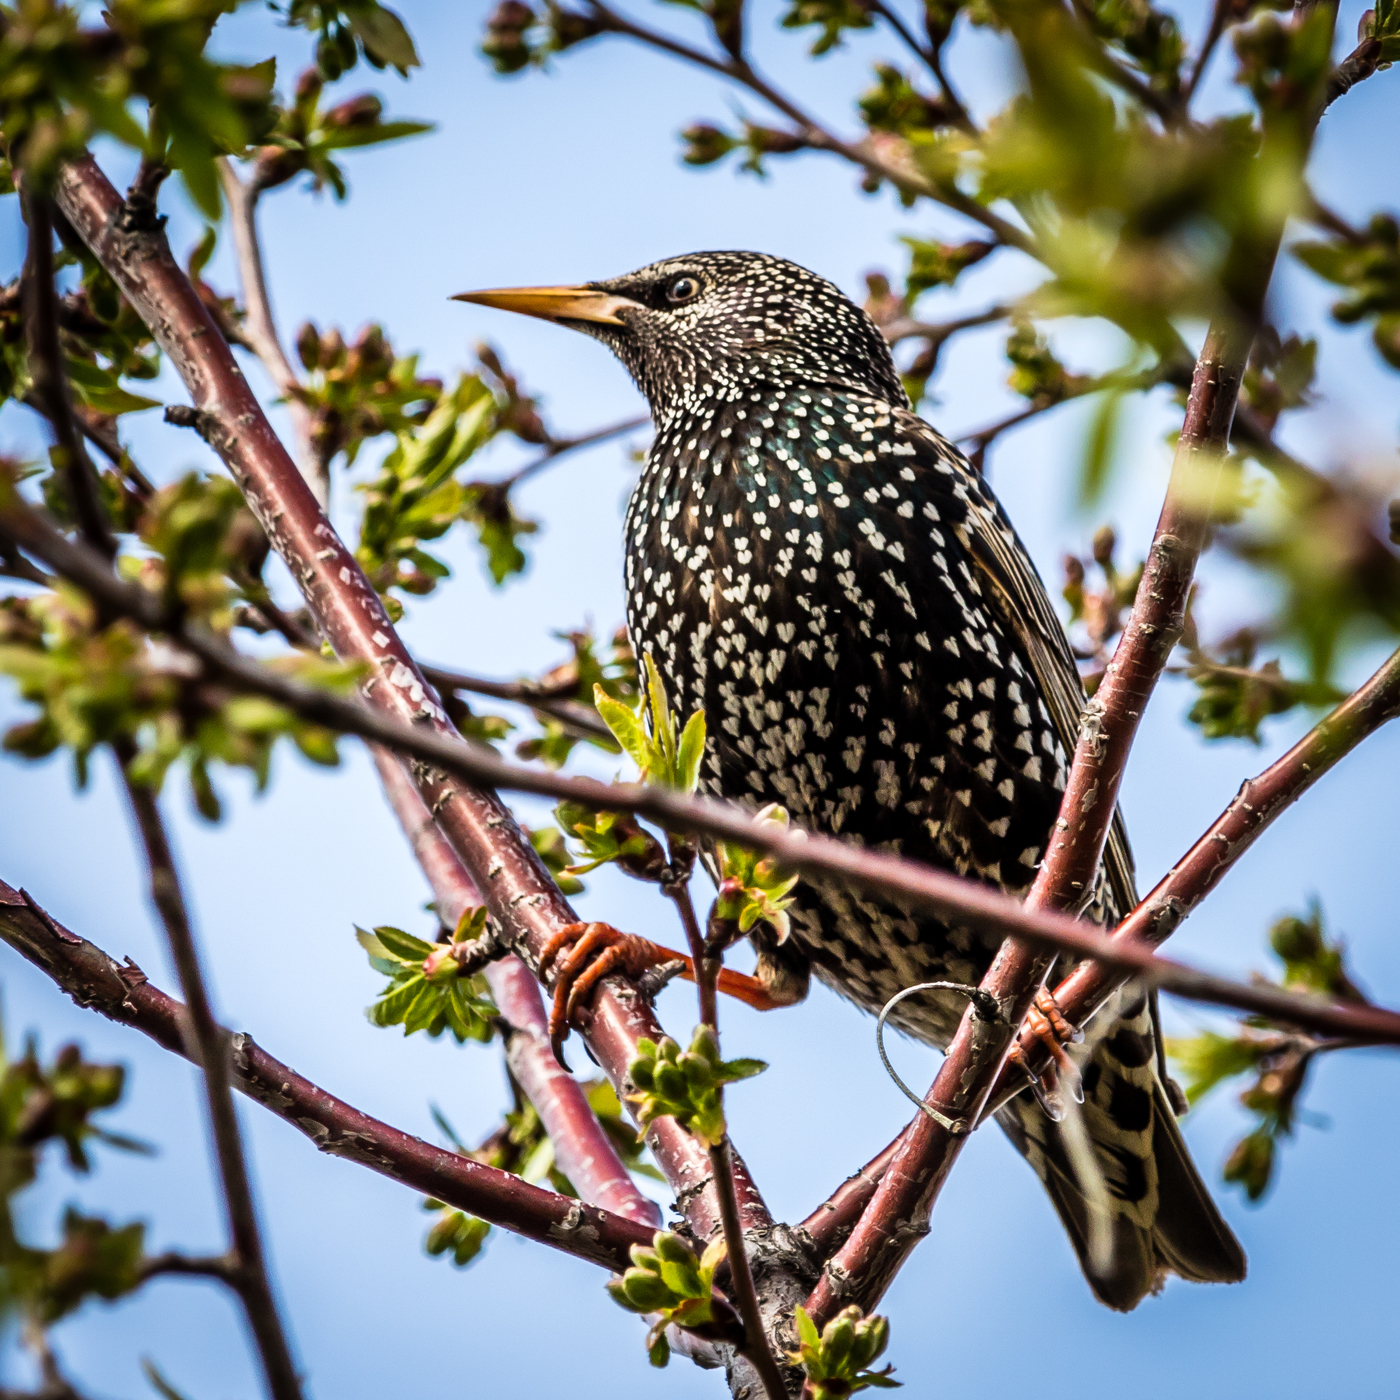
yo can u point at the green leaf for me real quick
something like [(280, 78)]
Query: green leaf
[(385, 36), (625, 725), (403, 945)]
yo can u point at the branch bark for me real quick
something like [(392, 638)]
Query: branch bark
[(898, 1213), (584, 1152), (522, 897), (208, 1046), (947, 896), (122, 993), (261, 329)]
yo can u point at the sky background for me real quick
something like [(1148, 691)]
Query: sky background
[(570, 176)]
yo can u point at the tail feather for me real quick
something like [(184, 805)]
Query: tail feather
[(1161, 1218)]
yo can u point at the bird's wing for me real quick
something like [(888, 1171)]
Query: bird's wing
[(1015, 589)]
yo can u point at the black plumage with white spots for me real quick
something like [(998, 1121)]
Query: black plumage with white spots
[(827, 577)]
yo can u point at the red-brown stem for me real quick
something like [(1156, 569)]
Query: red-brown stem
[(584, 1152), (948, 897), (1258, 803), (50, 380), (898, 1213), (523, 899), (207, 1044), (123, 994), (261, 329), (755, 1348), (1255, 807), (706, 967)]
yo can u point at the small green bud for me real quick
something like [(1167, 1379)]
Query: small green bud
[(671, 1248), (645, 1290)]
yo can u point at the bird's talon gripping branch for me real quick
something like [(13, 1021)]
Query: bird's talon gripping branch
[(596, 951), (1048, 1024)]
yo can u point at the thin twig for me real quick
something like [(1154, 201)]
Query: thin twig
[(812, 133), (220, 1266), (947, 896), (558, 447), (706, 967), (755, 1348), (1219, 15), (51, 382), (261, 330), (209, 1048), (936, 332)]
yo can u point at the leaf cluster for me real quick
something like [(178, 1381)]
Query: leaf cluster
[(95, 685), (669, 1280), (416, 496), (55, 1103), (62, 85), (349, 29), (426, 990), (665, 754), (306, 137), (686, 1084), (754, 887), (1276, 1059), (1368, 268), (837, 1360)]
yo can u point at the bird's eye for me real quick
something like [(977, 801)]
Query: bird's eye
[(682, 289)]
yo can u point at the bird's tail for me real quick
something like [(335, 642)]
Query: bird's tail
[(1151, 1215)]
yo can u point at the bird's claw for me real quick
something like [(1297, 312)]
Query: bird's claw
[(594, 951), (1049, 1025)]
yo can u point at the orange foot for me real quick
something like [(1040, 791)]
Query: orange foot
[(1047, 1023), (596, 951)]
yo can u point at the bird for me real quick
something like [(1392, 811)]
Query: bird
[(831, 582)]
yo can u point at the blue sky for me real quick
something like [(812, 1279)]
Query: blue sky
[(574, 175)]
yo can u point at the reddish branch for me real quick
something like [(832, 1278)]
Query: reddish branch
[(207, 1044), (523, 899), (1259, 802), (898, 1213), (937, 892), (50, 391), (123, 994), (583, 1150)]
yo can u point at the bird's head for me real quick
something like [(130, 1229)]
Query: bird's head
[(708, 325)]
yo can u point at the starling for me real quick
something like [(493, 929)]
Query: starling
[(828, 578)]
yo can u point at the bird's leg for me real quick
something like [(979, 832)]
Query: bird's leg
[(1048, 1024), (595, 951)]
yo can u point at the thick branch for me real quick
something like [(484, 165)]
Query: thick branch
[(898, 1213), (208, 1047), (584, 1152), (123, 994), (937, 892), (522, 897)]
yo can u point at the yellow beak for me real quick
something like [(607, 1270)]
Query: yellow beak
[(554, 303)]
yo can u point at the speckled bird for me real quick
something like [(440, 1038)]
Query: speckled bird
[(828, 578)]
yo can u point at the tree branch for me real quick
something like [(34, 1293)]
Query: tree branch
[(123, 994), (558, 447), (208, 1047), (1356, 67), (898, 1213), (949, 897), (558, 706), (51, 381), (521, 895), (584, 1152), (261, 330), (863, 153)]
